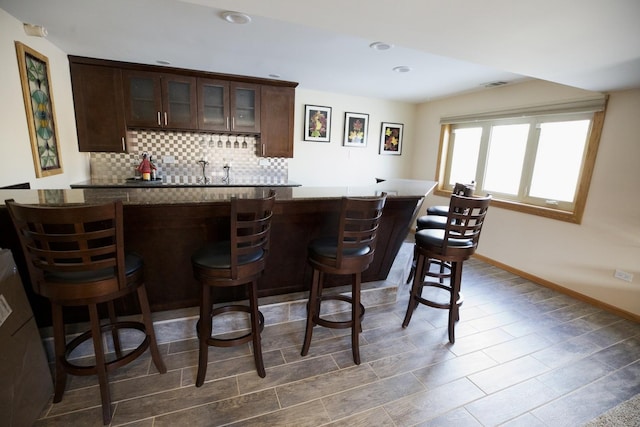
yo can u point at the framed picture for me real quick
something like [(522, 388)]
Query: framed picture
[(356, 126), (317, 123), (391, 138), (39, 108)]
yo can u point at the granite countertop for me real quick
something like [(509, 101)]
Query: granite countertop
[(163, 195)]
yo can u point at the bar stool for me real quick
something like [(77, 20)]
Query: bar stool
[(234, 262), (452, 245), (459, 189), (436, 218), (348, 253), (75, 257)]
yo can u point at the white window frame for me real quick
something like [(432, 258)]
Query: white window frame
[(591, 109)]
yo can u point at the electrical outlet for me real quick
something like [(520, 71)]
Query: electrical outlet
[(623, 275), (168, 160)]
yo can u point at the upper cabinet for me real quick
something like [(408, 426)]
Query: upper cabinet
[(276, 116), (111, 96), (99, 107), (159, 100), (228, 106)]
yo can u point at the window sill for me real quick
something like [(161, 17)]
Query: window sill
[(556, 214)]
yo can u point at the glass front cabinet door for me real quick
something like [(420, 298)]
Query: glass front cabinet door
[(245, 107), (179, 102), (143, 98), (228, 106), (213, 105), (158, 100)]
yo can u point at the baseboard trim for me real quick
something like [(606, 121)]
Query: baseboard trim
[(547, 284)]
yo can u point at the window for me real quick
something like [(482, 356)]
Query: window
[(536, 160)]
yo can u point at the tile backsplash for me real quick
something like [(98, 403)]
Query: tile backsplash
[(186, 149)]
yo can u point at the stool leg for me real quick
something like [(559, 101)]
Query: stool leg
[(442, 268), (115, 335), (412, 272), (204, 332), (454, 312), (417, 283), (356, 326), (313, 309), (101, 368), (148, 325), (255, 328), (59, 341)]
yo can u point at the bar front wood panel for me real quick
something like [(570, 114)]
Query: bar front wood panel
[(166, 236)]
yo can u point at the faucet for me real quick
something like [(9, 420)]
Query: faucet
[(226, 179), (203, 179)]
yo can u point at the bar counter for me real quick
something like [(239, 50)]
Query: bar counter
[(183, 181), (166, 225)]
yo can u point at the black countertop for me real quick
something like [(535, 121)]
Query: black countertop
[(179, 181)]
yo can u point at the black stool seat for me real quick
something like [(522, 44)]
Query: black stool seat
[(434, 238), (217, 255), (438, 210), (327, 247), (431, 221), (132, 263)]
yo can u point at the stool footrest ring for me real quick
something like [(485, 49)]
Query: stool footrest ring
[(434, 304), (113, 364), (334, 324), (231, 342)]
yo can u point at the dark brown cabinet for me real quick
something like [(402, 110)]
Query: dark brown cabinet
[(99, 108), (111, 96), (158, 100), (228, 106), (276, 118)]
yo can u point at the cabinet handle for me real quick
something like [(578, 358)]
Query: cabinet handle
[(165, 118), (227, 125), (159, 122), (124, 147), (233, 123)]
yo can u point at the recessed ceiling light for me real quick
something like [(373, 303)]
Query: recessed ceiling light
[(380, 46), (163, 62), (493, 84), (236, 17), (402, 69)]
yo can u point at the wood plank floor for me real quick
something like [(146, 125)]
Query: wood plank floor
[(524, 356)]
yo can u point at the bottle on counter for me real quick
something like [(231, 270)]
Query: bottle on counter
[(145, 167), (154, 169)]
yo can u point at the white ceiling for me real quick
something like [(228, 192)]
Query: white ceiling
[(452, 46)]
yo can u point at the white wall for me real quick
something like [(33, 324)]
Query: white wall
[(332, 164), (15, 146), (579, 257)]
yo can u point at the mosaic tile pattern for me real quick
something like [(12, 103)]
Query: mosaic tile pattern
[(187, 148)]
